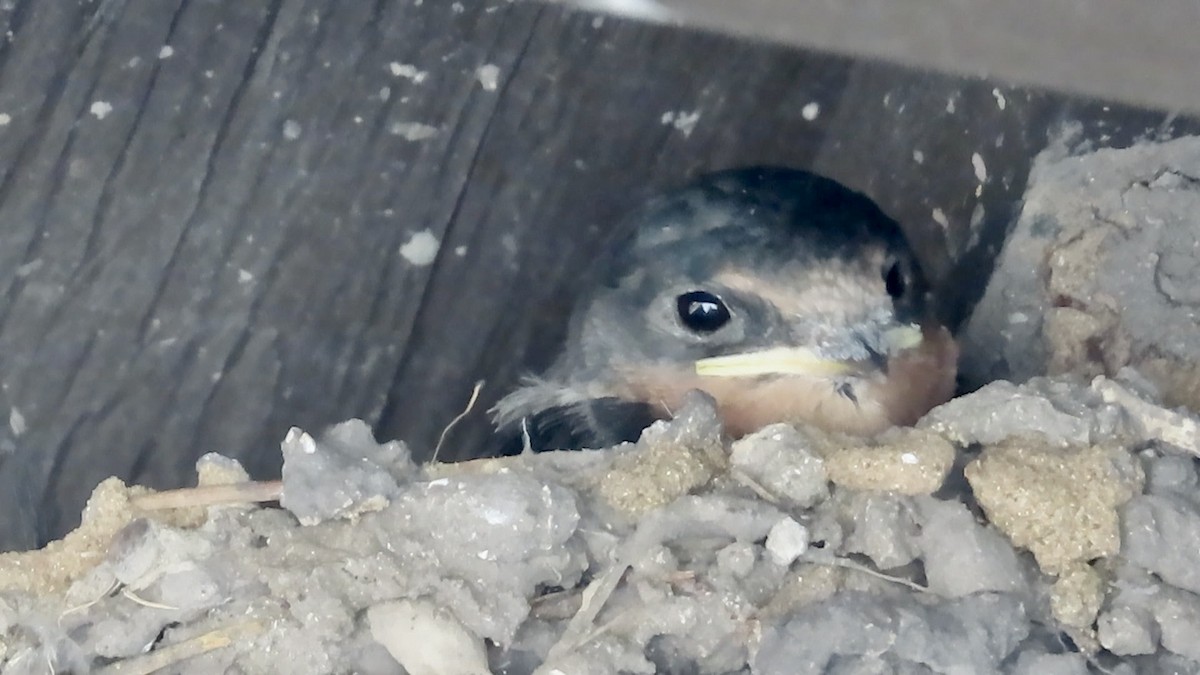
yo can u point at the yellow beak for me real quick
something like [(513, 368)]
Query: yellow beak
[(799, 360)]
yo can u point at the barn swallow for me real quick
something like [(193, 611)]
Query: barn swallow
[(784, 295)]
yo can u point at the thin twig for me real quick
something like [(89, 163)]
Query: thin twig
[(755, 486), (211, 495), (168, 656), (144, 602), (846, 563), (526, 441), (79, 608), (470, 404)]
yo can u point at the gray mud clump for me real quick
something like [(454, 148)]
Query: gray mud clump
[(1102, 271), (1048, 526), (524, 564)]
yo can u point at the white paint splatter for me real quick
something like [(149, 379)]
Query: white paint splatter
[(245, 276), (638, 9), (457, 8), (16, 422), (166, 52), (950, 105), (975, 227), (407, 71), (460, 251), (421, 248), (413, 131), (683, 121), (385, 93), (100, 109), (918, 157), (939, 217), (5, 119), (509, 243), (1001, 102), (488, 76), (810, 111), (980, 167), (29, 268), (291, 130), (977, 215)]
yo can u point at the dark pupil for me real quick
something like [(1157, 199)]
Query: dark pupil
[(702, 311), (893, 279)]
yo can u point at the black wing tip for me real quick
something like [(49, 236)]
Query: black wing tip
[(593, 424)]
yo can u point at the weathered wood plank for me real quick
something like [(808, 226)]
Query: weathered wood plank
[(214, 258), (1138, 52)]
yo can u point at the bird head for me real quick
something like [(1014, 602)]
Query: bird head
[(784, 295)]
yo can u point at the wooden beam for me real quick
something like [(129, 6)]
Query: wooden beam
[(1143, 53)]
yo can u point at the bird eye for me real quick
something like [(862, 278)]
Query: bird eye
[(894, 281), (702, 311)]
